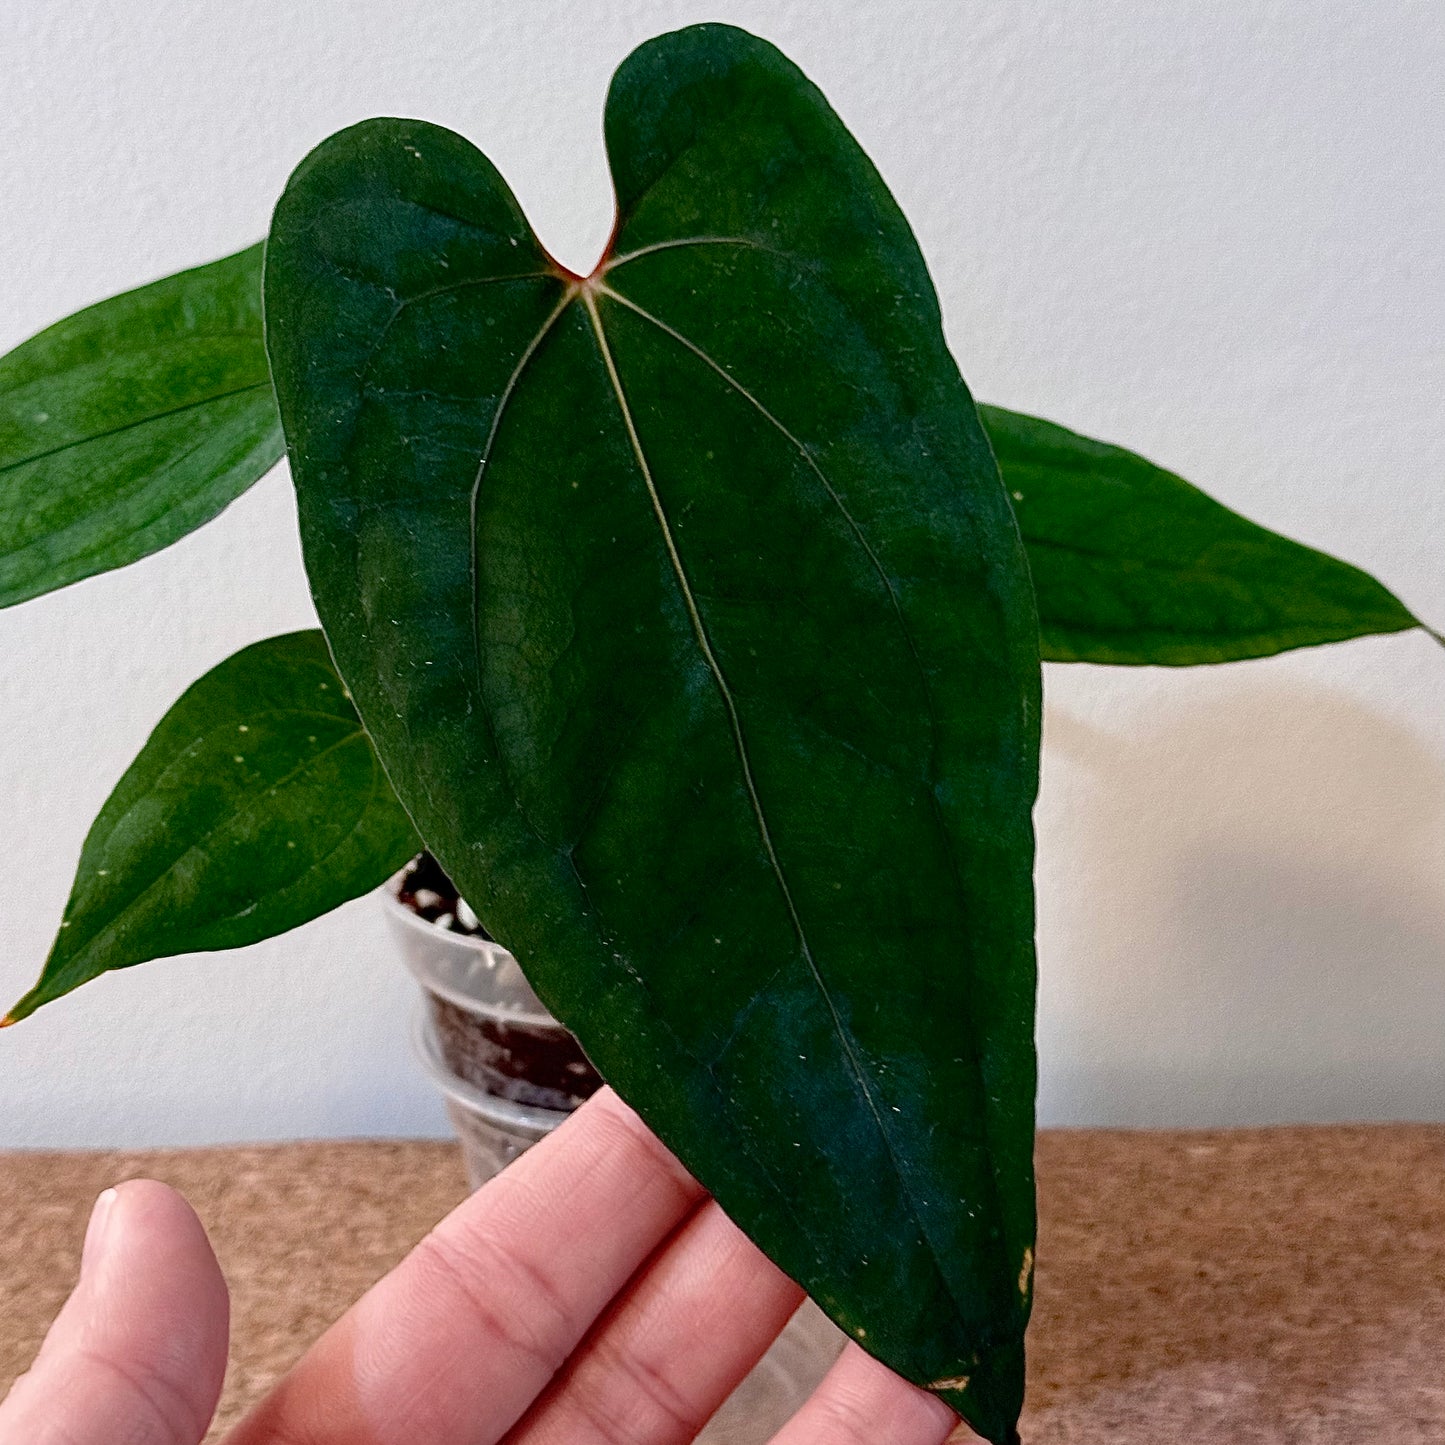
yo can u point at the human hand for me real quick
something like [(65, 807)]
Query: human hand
[(590, 1295)]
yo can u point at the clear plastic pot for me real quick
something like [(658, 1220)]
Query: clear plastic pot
[(491, 1029), (492, 1130)]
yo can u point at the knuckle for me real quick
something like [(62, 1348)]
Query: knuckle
[(164, 1413), (638, 1403), (509, 1298)]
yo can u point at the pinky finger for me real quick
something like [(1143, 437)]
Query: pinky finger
[(862, 1402)]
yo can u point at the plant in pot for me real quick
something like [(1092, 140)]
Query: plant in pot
[(688, 613), (509, 1071)]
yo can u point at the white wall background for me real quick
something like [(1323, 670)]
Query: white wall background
[(1208, 231)]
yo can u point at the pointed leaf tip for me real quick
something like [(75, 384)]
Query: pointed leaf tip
[(308, 823), (1134, 566)]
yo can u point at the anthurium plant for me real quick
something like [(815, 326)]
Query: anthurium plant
[(689, 611)]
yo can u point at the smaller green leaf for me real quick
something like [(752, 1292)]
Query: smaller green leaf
[(1132, 564), (131, 423), (256, 805)]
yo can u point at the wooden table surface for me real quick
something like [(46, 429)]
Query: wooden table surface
[(1280, 1285)]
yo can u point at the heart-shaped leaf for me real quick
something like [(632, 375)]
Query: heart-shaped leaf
[(1132, 564), (256, 805), (685, 607), (131, 423)]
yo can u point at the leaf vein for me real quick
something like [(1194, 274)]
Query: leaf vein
[(845, 1039), (933, 803), (201, 844), (11, 466), (685, 241), (474, 562)]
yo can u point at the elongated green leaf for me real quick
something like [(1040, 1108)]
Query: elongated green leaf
[(256, 805), (1132, 564), (685, 608), (131, 423)]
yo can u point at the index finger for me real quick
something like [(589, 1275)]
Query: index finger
[(453, 1345)]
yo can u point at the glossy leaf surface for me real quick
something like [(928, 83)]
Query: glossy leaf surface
[(686, 610), (131, 423), (1132, 564), (256, 805)]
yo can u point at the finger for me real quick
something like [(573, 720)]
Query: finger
[(454, 1344), (138, 1352), (861, 1402), (673, 1348)]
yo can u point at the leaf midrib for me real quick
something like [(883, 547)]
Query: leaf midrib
[(876, 562), (105, 545), (1195, 567), (850, 1053), (230, 819), (133, 425)]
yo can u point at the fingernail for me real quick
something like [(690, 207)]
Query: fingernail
[(94, 1247)]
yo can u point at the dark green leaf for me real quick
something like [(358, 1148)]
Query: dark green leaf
[(686, 610), (1131, 564), (131, 423), (256, 805)]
